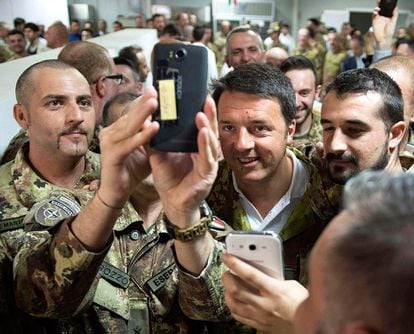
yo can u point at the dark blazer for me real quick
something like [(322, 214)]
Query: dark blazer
[(350, 63)]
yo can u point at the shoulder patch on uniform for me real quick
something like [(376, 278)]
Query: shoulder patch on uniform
[(160, 279), (55, 209), (11, 224)]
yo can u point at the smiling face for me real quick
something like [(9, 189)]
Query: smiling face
[(17, 43), (244, 48), (58, 115), (253, 136), (355, 137), (304, 84)]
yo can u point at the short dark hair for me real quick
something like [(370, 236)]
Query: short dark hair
[(405, 40), (171, 29), (297, 63), (18, 20), (157, 15), (261, 80), (311, 32), (121, 99), (364, 80), (314, 21), (15, 32), (198, 33), (130, 63), (24, 84), (130, 53), (32, 26), (359, 39), (371, 262)]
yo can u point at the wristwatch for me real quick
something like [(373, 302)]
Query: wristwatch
[(194, 231)]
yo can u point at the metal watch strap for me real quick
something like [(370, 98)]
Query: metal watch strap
[(189, 233)]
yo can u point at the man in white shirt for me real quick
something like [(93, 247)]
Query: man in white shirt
[(262, 184)]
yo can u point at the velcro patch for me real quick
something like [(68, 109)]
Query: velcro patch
[(11, 224), (114, 275), (56, 209), (159, 280)]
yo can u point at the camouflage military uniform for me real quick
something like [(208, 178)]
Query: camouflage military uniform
[(407, 161), (139, 286), (310, 216), (315, 54), (332, 66), (20, 190), (312, 212), (306, 143)]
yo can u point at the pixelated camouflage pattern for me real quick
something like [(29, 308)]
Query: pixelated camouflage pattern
[(306, 143), (310, 216), (332, 66), (318, 205), (21, 138), (407, 161), (193, 291), (20, 189), (5, 53), (316, 54), (59, 276), (14, 146)]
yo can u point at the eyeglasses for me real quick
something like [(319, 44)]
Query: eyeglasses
[(119, 78)]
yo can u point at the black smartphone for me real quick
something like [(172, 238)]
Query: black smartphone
[(387, 7), (180, 77)]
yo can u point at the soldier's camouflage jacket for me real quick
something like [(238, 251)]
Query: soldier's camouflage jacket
[(316, 54), (306, 143), (140, 288), (313, 211), (20, 189)]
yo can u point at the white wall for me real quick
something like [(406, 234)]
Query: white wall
[(39, 11)]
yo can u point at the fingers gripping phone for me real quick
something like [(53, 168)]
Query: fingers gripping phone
[(262, 250), (180, 77), (387, 7)]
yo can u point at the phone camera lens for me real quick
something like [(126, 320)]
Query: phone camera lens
[(180, 53), (252, 247)]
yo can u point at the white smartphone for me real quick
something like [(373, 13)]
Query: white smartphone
[(262, 250)]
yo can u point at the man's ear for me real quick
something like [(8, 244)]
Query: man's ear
[(100, 86), (140, 88), (291, 131), (21, 115), (396, 135)]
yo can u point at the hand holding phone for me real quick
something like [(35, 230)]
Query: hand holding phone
[(387, 7), (180, 77), (262, 250)]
